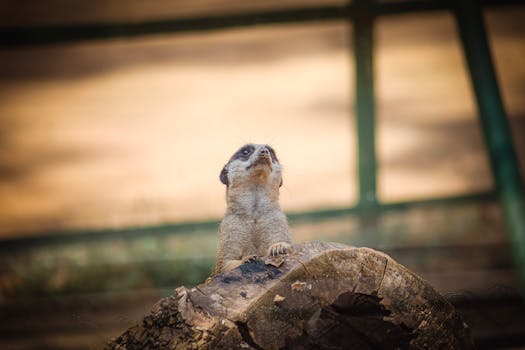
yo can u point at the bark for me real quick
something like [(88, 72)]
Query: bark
[(321, 296)]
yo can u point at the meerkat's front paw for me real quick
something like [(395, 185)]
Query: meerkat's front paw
[(279, 248)]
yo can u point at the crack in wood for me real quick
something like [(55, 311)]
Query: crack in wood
[(303, 265), (242, 327), (383, 276)]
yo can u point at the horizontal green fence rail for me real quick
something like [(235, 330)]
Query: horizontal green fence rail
[(40, 35), (86, 236)]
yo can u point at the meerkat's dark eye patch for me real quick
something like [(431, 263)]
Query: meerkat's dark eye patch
[(244, 153), (272, 153)]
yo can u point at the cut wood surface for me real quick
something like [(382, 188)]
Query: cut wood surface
[(321, 296)]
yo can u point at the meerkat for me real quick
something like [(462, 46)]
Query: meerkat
[(254, 224)]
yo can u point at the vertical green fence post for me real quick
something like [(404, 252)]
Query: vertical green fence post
[(365, 101), (495, 125)]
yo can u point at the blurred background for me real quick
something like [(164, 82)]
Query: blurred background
[(117, 117)]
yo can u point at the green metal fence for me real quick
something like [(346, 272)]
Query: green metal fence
[(468, 14)]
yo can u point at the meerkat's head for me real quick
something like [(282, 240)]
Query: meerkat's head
[(252, 164)]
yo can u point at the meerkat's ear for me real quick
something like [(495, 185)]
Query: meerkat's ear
[(281, 183), (224, 176)]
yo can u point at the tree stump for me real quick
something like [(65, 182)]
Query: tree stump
[(321, 296)]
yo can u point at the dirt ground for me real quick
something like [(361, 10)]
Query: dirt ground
[(134, 132)]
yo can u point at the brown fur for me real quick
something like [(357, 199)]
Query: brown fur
[(254, 224)]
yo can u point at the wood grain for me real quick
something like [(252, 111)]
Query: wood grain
[(322, 296)]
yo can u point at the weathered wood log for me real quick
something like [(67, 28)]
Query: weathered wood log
[(321, 296)]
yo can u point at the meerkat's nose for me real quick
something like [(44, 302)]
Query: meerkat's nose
[(264, 152)]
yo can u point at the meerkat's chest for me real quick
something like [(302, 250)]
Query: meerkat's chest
[(255, 205)]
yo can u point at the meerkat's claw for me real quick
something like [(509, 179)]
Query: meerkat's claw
[(279, 248)]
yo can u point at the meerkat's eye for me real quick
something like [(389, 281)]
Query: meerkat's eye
[(243, 153)]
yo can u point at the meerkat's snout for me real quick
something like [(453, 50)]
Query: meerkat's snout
[(264, 152), (263, 158)]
